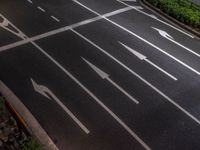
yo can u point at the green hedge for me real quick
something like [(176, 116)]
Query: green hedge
[(32, 144), (182, 10)]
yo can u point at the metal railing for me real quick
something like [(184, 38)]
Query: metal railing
[(189, 3)]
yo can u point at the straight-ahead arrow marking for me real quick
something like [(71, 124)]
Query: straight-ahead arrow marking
[(45, 91), (142, 57), (170, 38), (104, 75)]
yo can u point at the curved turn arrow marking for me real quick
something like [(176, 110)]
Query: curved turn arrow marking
[(46, 92)]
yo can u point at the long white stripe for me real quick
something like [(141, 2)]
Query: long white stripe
[(95, 98), (130, 32), (142, 79), (63, 29), (123, 91), (189, 50), (162, 70), (157, 19)]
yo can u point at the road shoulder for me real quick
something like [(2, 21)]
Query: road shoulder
[(29, 120)]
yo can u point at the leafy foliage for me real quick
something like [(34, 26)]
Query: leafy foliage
[(183, 10), (31, 144)]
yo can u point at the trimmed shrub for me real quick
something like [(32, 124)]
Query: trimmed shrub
[(181, 10)]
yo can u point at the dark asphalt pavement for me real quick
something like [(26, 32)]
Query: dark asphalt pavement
[(167, 116)]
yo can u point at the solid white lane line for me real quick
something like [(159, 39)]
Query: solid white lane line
[(56, 19), (41, 9), (123, 91), (104, 75), (158, 19), (130, 131), (63, 29), (141, 78), (43, 90), (30, 1), (53, 96), (170, 38), (130, 32), (142, 57), (162, 70)]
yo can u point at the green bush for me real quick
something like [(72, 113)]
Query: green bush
[(31, 144), (182, 10)]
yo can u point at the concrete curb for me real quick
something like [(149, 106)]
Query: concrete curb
[(28, 119), (169, 18)]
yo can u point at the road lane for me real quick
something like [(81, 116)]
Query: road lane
[(33, 21), (68, 55), (138, 36), (21, 65), (151, 122), (7, 37), (113, 35)]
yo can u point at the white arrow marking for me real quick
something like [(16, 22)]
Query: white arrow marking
[(44, 90), (5, 25), (137, 36), (142, 57), (147, 14), (170, 38), (104, 75)]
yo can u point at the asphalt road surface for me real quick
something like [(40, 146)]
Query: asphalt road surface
[(102, 74)]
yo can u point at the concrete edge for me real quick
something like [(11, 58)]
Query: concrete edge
[(30, 121), (169, 18)]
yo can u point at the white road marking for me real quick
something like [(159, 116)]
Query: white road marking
[(153, 16), (104, 75), (130, 131), (170, 38), (56, 19), (139, 77), (43, 90), (157, 19), (142, 39), (41, 9), (63, 29), (95, 98), (138, 7), (5, 25), (142, 57), (30, 1)]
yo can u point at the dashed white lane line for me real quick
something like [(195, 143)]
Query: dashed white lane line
[(41, 9), (63, 29), (55, 18), (157, 19), (141, 78), (30, 1), (142, 39)]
